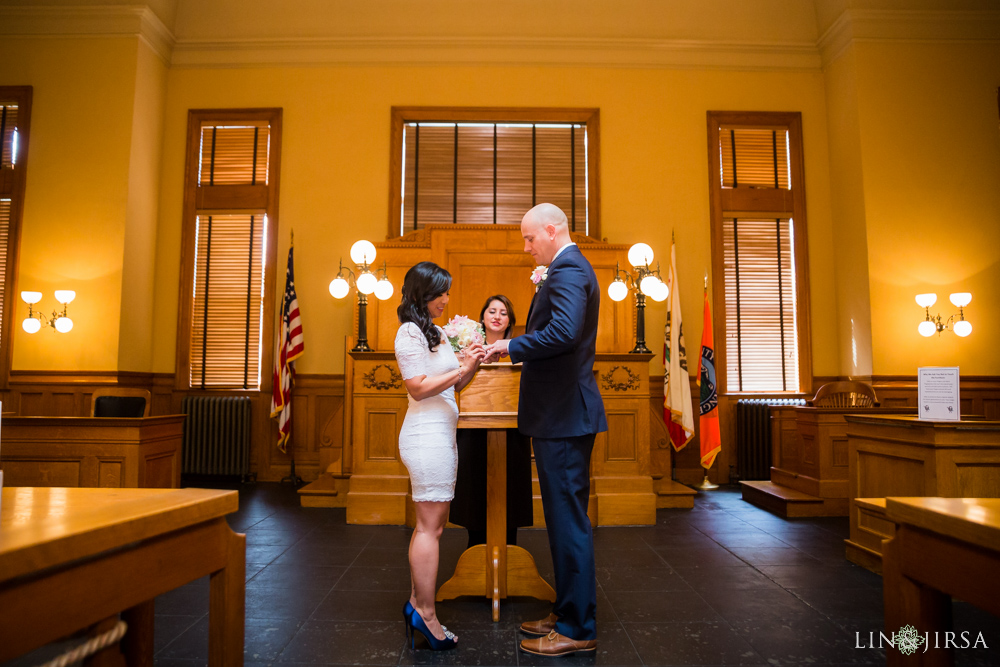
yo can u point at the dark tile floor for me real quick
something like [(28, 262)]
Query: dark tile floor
[(723, 584)]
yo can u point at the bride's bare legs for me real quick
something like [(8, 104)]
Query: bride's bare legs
[(431, 518)]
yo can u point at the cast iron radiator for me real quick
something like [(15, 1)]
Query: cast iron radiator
[(753, 436), (216, 435)]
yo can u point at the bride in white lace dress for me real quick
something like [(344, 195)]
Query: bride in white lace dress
[(432, 373)]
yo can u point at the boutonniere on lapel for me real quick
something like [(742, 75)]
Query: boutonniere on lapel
[(539, 275)]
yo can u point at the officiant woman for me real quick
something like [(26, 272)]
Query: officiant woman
[(469, 507)]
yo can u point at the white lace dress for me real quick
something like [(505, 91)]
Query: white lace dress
[(427, 439)]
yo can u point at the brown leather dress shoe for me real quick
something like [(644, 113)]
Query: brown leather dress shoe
[(542, 627), (555, 645)]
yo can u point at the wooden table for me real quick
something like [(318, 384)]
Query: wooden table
[(495, 569), (942, 547), (902, 456), (72, 557), (93, 451)]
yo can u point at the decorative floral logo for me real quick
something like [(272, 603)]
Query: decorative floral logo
[(908, 640), (539, 275)]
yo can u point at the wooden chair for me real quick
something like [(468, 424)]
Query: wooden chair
[(845, 394), (120, 402)]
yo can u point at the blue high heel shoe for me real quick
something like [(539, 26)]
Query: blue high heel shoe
[(415, 623), (407, 610)]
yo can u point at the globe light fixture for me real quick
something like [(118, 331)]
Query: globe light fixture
[(363, 252), (383, 289), (640, 254), (645, 282), (339, 287), (648, 285), (617, 290), (962, 328), (58, 321), (366, 281), (661, 293), (937, 324)]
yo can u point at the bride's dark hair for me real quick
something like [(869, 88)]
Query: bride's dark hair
[(423, 283)]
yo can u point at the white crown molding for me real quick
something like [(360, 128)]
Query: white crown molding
[(878, 25), (588, 52), (100, 21)]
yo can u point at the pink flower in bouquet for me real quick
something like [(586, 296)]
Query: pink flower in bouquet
[(463, 332), (538, 275)]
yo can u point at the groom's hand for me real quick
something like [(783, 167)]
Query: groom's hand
[(496, 351)]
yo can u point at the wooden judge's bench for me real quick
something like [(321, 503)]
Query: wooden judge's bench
[(371, 481)]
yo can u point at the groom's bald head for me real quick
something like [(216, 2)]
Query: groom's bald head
[(545, 229)]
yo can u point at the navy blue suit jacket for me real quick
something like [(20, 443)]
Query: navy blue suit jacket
[(559, 397)]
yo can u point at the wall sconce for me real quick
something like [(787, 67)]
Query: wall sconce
[(644, 282), (59, 321), (366, 281), (930, 325)]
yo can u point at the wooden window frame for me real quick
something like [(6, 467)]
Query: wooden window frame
[(402, 115), (760, 203), (221, 199), (13, 183)]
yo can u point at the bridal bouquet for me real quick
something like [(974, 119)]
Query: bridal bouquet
[(463, 332)]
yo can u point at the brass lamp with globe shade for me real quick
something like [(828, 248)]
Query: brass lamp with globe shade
[(366, 281), (58, 321), (936, 324), (644, 282)]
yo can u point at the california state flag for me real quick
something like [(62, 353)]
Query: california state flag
[(711, 440), (677, 412)]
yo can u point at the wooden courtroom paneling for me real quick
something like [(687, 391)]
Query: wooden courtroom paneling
[(89, 452), (903, 456)]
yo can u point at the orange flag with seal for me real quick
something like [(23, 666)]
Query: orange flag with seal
[(710, 437)]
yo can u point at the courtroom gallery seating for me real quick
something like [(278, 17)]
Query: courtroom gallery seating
[(844, 394), (129, 402)]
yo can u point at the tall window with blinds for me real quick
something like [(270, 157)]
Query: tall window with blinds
[(759, 252), (15, 113), (231, 198), (489, 166)]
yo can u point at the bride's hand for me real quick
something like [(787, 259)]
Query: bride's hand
[(474, 355)]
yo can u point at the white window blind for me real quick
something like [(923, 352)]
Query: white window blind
[(492, 173), (229, 261), (754, 157), (8, 190), (228, 301), (8, 136), (760, 258), (762, 338), (5, 213), (233, 155)]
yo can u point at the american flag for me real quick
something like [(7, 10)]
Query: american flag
[(289, 349)]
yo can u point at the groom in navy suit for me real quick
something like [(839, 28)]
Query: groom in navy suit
[(560, 407)]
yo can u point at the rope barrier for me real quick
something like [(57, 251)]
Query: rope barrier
[(89, 648)]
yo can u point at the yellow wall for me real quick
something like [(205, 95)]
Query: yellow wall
[(334, 171), (931, 168), (77, 191), (902, 163), (850, 240), (135, 343)]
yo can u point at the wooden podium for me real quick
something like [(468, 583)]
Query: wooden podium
[(495, 569)]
